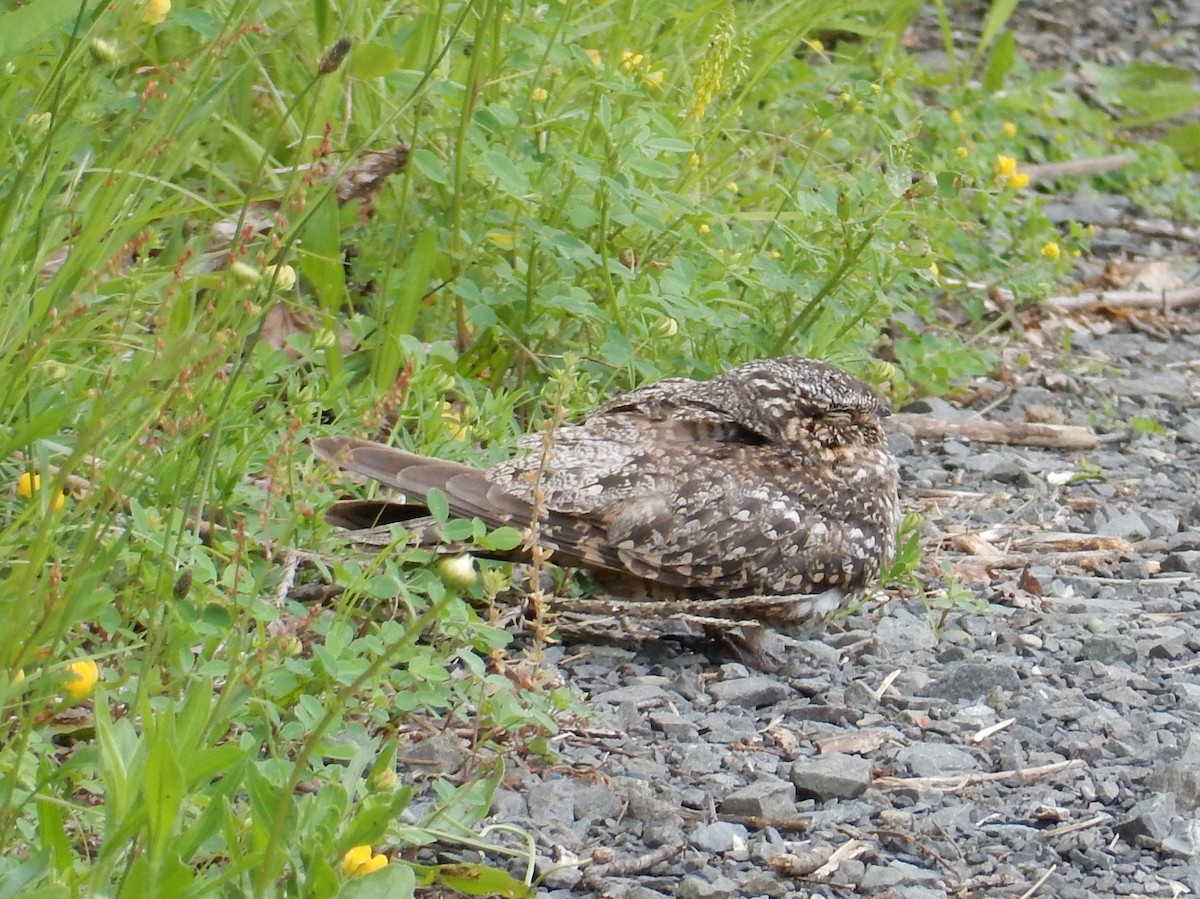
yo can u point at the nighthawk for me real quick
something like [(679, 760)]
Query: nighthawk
[(766, 493)]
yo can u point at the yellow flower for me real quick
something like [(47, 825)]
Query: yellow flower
[(29, 484), (961, 152), (594, 56), (1008, 129), (630, 60), (933, 268), (454, 423), (703, 228), (155, 12), (732, 187), (505, 240), (826, 133), (654, 79), (83, 677), (694, 161), (360, 860), (956, 117), (816, 46), (1051, 250), (1017, 181), (539, 95), (1005, 165)]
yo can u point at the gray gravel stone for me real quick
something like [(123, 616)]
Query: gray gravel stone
[(693, 887), (1152, 817), (749, 692), (972, 680), (553, 800), (766, 798), (833, 776), (720, 836), (935, 759), (1130, 525), (1187, 561)]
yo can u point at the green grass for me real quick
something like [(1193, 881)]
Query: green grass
[(588, 204)]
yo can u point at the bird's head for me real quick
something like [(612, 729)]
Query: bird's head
[(793, 400)]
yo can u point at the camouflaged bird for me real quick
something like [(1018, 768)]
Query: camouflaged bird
[(765, 493)]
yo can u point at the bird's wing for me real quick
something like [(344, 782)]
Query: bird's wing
[(753, 520)]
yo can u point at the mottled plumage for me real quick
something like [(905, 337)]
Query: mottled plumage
[(767, 492)]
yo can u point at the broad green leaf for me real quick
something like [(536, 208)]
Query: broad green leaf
[(997, 17), (395, 881), (373, 816), (439, 506), (1185, 141), (1000, 63), (24, 26), (320, 256), (374, 61), (474, 880), (401, 318)]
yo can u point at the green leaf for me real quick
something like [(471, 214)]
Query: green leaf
[(401, 318), (1000, 63), (439, 506), (502, 539), (467, 805), (374, 61), (163, 783), (395, 881), (509, 178), (997, 17), (26, 25), (320, 257), (474, 880), (373, 817), (1185, 141), (118, 743)]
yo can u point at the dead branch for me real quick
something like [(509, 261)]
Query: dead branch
[(954, 783), (758, 822), (1020, 433), (594, 876), (1089, 300), (1050, 171)]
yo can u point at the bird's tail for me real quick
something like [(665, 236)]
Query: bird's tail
[(467, 490)]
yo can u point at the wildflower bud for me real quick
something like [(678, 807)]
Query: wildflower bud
[(666, 327), (385, 781), (38, 123), (245, 272), (334, 56), (155, 11), (539, 95), (1008, 129), (458, 571), (283, 276), (104, 50), (81, 678), (1051, 250)]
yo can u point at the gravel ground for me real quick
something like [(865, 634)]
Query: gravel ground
[(1052, 741), (1049, 745)]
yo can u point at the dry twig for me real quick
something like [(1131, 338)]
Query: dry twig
[(1020, 433)]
